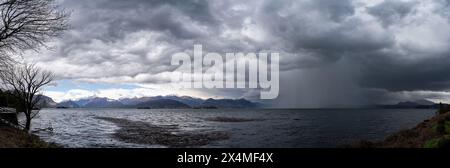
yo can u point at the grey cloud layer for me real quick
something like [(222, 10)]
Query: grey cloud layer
[(394, 45)]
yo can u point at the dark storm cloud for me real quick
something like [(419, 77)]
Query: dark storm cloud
[(133, 15), (361, 45), (102, 26), (335, 10), (390, 12), (326, 30), (430, 74)]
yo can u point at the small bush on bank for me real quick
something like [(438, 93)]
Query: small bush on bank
[(443, 142)]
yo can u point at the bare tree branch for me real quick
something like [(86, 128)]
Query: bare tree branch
[(27, 82), (28, 24)]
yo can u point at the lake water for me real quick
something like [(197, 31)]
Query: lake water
[(80, 128)]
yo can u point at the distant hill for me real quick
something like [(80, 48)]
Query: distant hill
[(135, 101), (425, 102), (103, 103), (8, 100), (151, 102), (83, 102), (229, 103), (46, 102), (163, 104), (191, 101), (419, 104), (68, 104)]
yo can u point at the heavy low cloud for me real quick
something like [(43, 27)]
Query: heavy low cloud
[(333, 53)]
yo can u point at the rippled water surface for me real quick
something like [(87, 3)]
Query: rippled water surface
[(271, 128)]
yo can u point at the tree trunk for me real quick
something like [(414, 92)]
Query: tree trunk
[(28, 113), (28, 123)]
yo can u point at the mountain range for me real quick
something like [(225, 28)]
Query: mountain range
[(418, 104), (183, 102), (163, 104), (158, 102)]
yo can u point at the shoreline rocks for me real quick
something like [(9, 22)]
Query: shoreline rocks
[(171, 136)]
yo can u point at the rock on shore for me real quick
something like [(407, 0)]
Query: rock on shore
[(170, 136)]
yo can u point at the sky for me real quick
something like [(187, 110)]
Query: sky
[(342, 53)]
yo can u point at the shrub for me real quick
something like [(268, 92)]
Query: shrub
[(440, 127), (443, 142)]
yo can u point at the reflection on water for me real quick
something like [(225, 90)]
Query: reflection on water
[(264, 128)]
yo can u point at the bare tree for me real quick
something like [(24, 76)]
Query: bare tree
[(28, 24), (5, 65), (26, 81)]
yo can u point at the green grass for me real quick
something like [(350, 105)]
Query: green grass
[(441, 142), (14, 138), (438, 142), (446, 125)]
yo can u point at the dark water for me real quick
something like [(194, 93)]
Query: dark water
[(273, 128)]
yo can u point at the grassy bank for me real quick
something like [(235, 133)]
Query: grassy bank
[(14, 138), (432, 133)]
